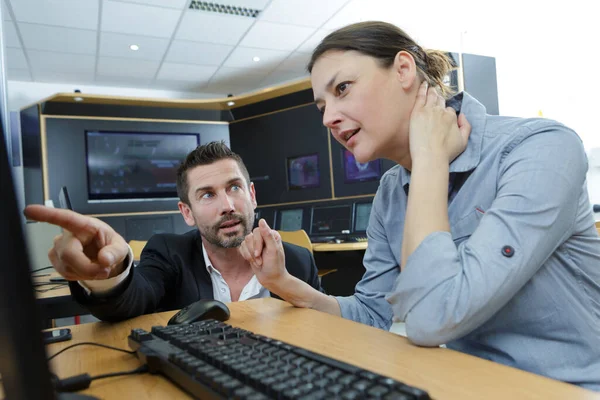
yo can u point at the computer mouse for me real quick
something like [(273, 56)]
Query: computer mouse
[(201, 310)]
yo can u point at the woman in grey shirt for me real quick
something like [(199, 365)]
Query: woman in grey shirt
[(482, 237)]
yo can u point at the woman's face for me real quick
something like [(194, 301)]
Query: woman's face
[(366, 107)]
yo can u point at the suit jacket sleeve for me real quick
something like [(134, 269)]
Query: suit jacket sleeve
[(142, 291)]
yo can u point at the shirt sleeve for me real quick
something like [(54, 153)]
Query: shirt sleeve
[(104, 286), (445, 292), (368, 304)]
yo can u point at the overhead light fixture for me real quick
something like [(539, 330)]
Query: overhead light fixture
[(231, 103), (134, 47), (256, 58)]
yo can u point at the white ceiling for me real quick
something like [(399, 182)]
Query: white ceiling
[(87, 41)]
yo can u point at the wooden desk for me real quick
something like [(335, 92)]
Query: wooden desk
[(444, 373), (348, 246)]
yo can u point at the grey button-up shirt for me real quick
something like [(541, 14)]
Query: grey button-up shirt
[(517, 280)]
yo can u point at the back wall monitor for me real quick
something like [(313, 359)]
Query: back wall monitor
[(362, 212), (355, 171), (303, 172), (290, 220), (331, 220), (135, 165)]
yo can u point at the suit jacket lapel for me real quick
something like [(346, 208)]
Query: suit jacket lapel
[(202, 276)]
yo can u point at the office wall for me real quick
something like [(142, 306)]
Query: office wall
[(66, 166)]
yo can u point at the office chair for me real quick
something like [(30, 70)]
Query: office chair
[(63, 198), (137, 246), (300, 238)]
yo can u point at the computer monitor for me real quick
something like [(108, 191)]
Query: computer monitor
[(303, 172), (362, 212), (290, 220), (23, 365), (331, 220), (355, 171)]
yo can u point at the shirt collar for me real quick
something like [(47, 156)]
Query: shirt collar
[(209, 268), (476, 115)]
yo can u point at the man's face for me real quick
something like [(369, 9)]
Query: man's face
[(221, 203)]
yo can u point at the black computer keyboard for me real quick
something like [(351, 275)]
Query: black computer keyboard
[(213, 360)]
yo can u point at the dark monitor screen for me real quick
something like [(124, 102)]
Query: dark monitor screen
[(303, 171), (290, 220), (134, 165), (355, 171), (362, 212), (331, 220)]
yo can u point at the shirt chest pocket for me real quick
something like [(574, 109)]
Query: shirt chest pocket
[(464, 227)]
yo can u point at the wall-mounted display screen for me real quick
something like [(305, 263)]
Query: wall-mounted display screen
[(355, 171), (362, 212), (135, 165), (331, 220), (290, 220), (303, 172)]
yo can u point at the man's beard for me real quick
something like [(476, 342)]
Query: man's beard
[(233, 239)]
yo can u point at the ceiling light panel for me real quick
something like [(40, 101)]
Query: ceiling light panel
[(57, 39)]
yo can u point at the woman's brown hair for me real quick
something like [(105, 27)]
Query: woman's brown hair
[(383, 41)]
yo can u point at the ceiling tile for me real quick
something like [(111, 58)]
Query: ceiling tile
[(296, 62), (112, 66), (242, 57), (185, 52), (10, 34), (5, 14), (237, 76), (186, 72), (138, 19), (117, 45), (125, 81), (18, 74), (365, 10), (82, 14), (311, 13), (279, 77), (312, 42), (203, 26), (268, 35), (177, 4), (60, 62), (77, 78), (15, 58), (54, 38), (181, 86)]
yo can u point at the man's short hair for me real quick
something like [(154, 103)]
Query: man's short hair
[(204, 155)]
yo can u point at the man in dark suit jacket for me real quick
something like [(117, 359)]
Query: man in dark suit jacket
[(216, 197)]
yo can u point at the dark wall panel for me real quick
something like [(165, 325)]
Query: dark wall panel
[(67, 163), (480, 80), (265, 143), (32, 155)]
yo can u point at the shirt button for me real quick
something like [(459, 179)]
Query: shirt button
[(222, 290), (508, 251)]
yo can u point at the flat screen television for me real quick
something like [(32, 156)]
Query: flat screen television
[(303, 172), (290, 220), (362, 212), (355, 171), (331, 220), (135, 165)]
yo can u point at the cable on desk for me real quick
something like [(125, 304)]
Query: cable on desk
[(56, 286), (83, 381), (90, 344), (40, 269)]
